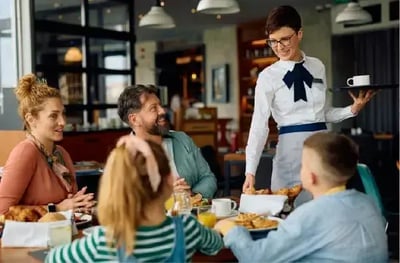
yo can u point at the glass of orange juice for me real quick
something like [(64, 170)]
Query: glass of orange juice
[(206, 217)]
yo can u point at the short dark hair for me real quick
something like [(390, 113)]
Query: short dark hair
[(282, 16), (129, 100), (338, 153)]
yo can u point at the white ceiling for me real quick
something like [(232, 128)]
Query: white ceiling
[(190, 25)]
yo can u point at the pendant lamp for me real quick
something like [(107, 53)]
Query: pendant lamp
[(353, 14), (218, 7), (157, 18)]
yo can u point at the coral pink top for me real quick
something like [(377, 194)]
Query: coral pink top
[(29, 180)]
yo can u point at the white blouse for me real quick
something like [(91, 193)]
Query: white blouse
[(272, 96)]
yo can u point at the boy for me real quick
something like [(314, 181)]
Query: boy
[(338, 225)]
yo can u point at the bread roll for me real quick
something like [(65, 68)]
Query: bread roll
[(23, 213), (52, 217)]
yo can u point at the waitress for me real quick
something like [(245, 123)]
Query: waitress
[(293, 90)]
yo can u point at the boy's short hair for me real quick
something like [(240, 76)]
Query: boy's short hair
[(282, 16), (338, 154)]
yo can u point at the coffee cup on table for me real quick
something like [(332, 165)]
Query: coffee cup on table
[(359, 80), (223, 206)]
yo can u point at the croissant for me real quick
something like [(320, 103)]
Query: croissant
[(23, 213), (294, 191)]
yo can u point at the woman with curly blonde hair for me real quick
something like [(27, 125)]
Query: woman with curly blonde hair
[(38, 171), (137, 181)]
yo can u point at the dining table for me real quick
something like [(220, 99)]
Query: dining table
[(22, 255), (8, 254)]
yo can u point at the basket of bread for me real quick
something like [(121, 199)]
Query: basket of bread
[(33, 226), (267, 202)]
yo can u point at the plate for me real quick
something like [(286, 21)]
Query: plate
[(82, 219), (262, 204), (280, 220), (234, 213), (89, 230)]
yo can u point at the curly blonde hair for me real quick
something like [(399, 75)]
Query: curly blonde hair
[(31, 94)]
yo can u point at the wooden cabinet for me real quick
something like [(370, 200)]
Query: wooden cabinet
[(91, 145), (253, 55), (204, 130), (82, 146)]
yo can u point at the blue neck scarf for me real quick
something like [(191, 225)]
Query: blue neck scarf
[(298, 76)]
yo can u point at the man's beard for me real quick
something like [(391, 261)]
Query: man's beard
[(160, 130)]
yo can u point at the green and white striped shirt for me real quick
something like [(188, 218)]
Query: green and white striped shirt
[(153, 244)]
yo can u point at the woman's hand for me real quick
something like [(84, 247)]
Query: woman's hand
[(79, 202), (361, 100), (248, 183)]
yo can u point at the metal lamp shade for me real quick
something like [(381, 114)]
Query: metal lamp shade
[(353, 14), (218, 7), (157, 18)]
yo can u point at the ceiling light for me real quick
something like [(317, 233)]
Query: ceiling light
[(157, 18), (73, 54), (215, 7), (353, 14)]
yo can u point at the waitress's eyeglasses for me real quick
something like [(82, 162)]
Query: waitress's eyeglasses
[(285, 41)]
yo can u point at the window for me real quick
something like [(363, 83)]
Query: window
[(8, 66), (85, 48)]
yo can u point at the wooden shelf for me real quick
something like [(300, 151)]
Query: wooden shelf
[(252, 56), (265, 60), (248, 78)]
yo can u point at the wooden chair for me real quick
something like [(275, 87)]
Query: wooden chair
[(8, 140)]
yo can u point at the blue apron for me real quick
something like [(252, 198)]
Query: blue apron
[(178, 254)]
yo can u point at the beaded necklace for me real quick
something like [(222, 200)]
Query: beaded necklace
[(55, 161)]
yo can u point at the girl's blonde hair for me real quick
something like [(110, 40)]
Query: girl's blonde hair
[(31, 94), (125, 191)]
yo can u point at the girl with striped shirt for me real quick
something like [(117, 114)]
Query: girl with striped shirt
[(137, 181)]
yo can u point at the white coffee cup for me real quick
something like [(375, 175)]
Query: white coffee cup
[(223, 206), (360, 80)]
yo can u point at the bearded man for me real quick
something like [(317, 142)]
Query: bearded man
[(140, 107)]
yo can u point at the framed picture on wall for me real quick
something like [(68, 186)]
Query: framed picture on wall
[(220, 83)]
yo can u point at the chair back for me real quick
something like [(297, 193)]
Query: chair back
[(370, 186), (8, 140)]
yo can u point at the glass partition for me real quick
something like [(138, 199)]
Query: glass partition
[(68, 12), (84, 47), (112, 15), (109, 54), (107, 87), (58, 49)]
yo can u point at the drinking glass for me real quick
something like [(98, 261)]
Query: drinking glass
[(206, 217), (182, 203)]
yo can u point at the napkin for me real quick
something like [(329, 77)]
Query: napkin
[(30, 234), (262, 204)]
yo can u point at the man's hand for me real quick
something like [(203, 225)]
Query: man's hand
[(248, 183), (181, 185)]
